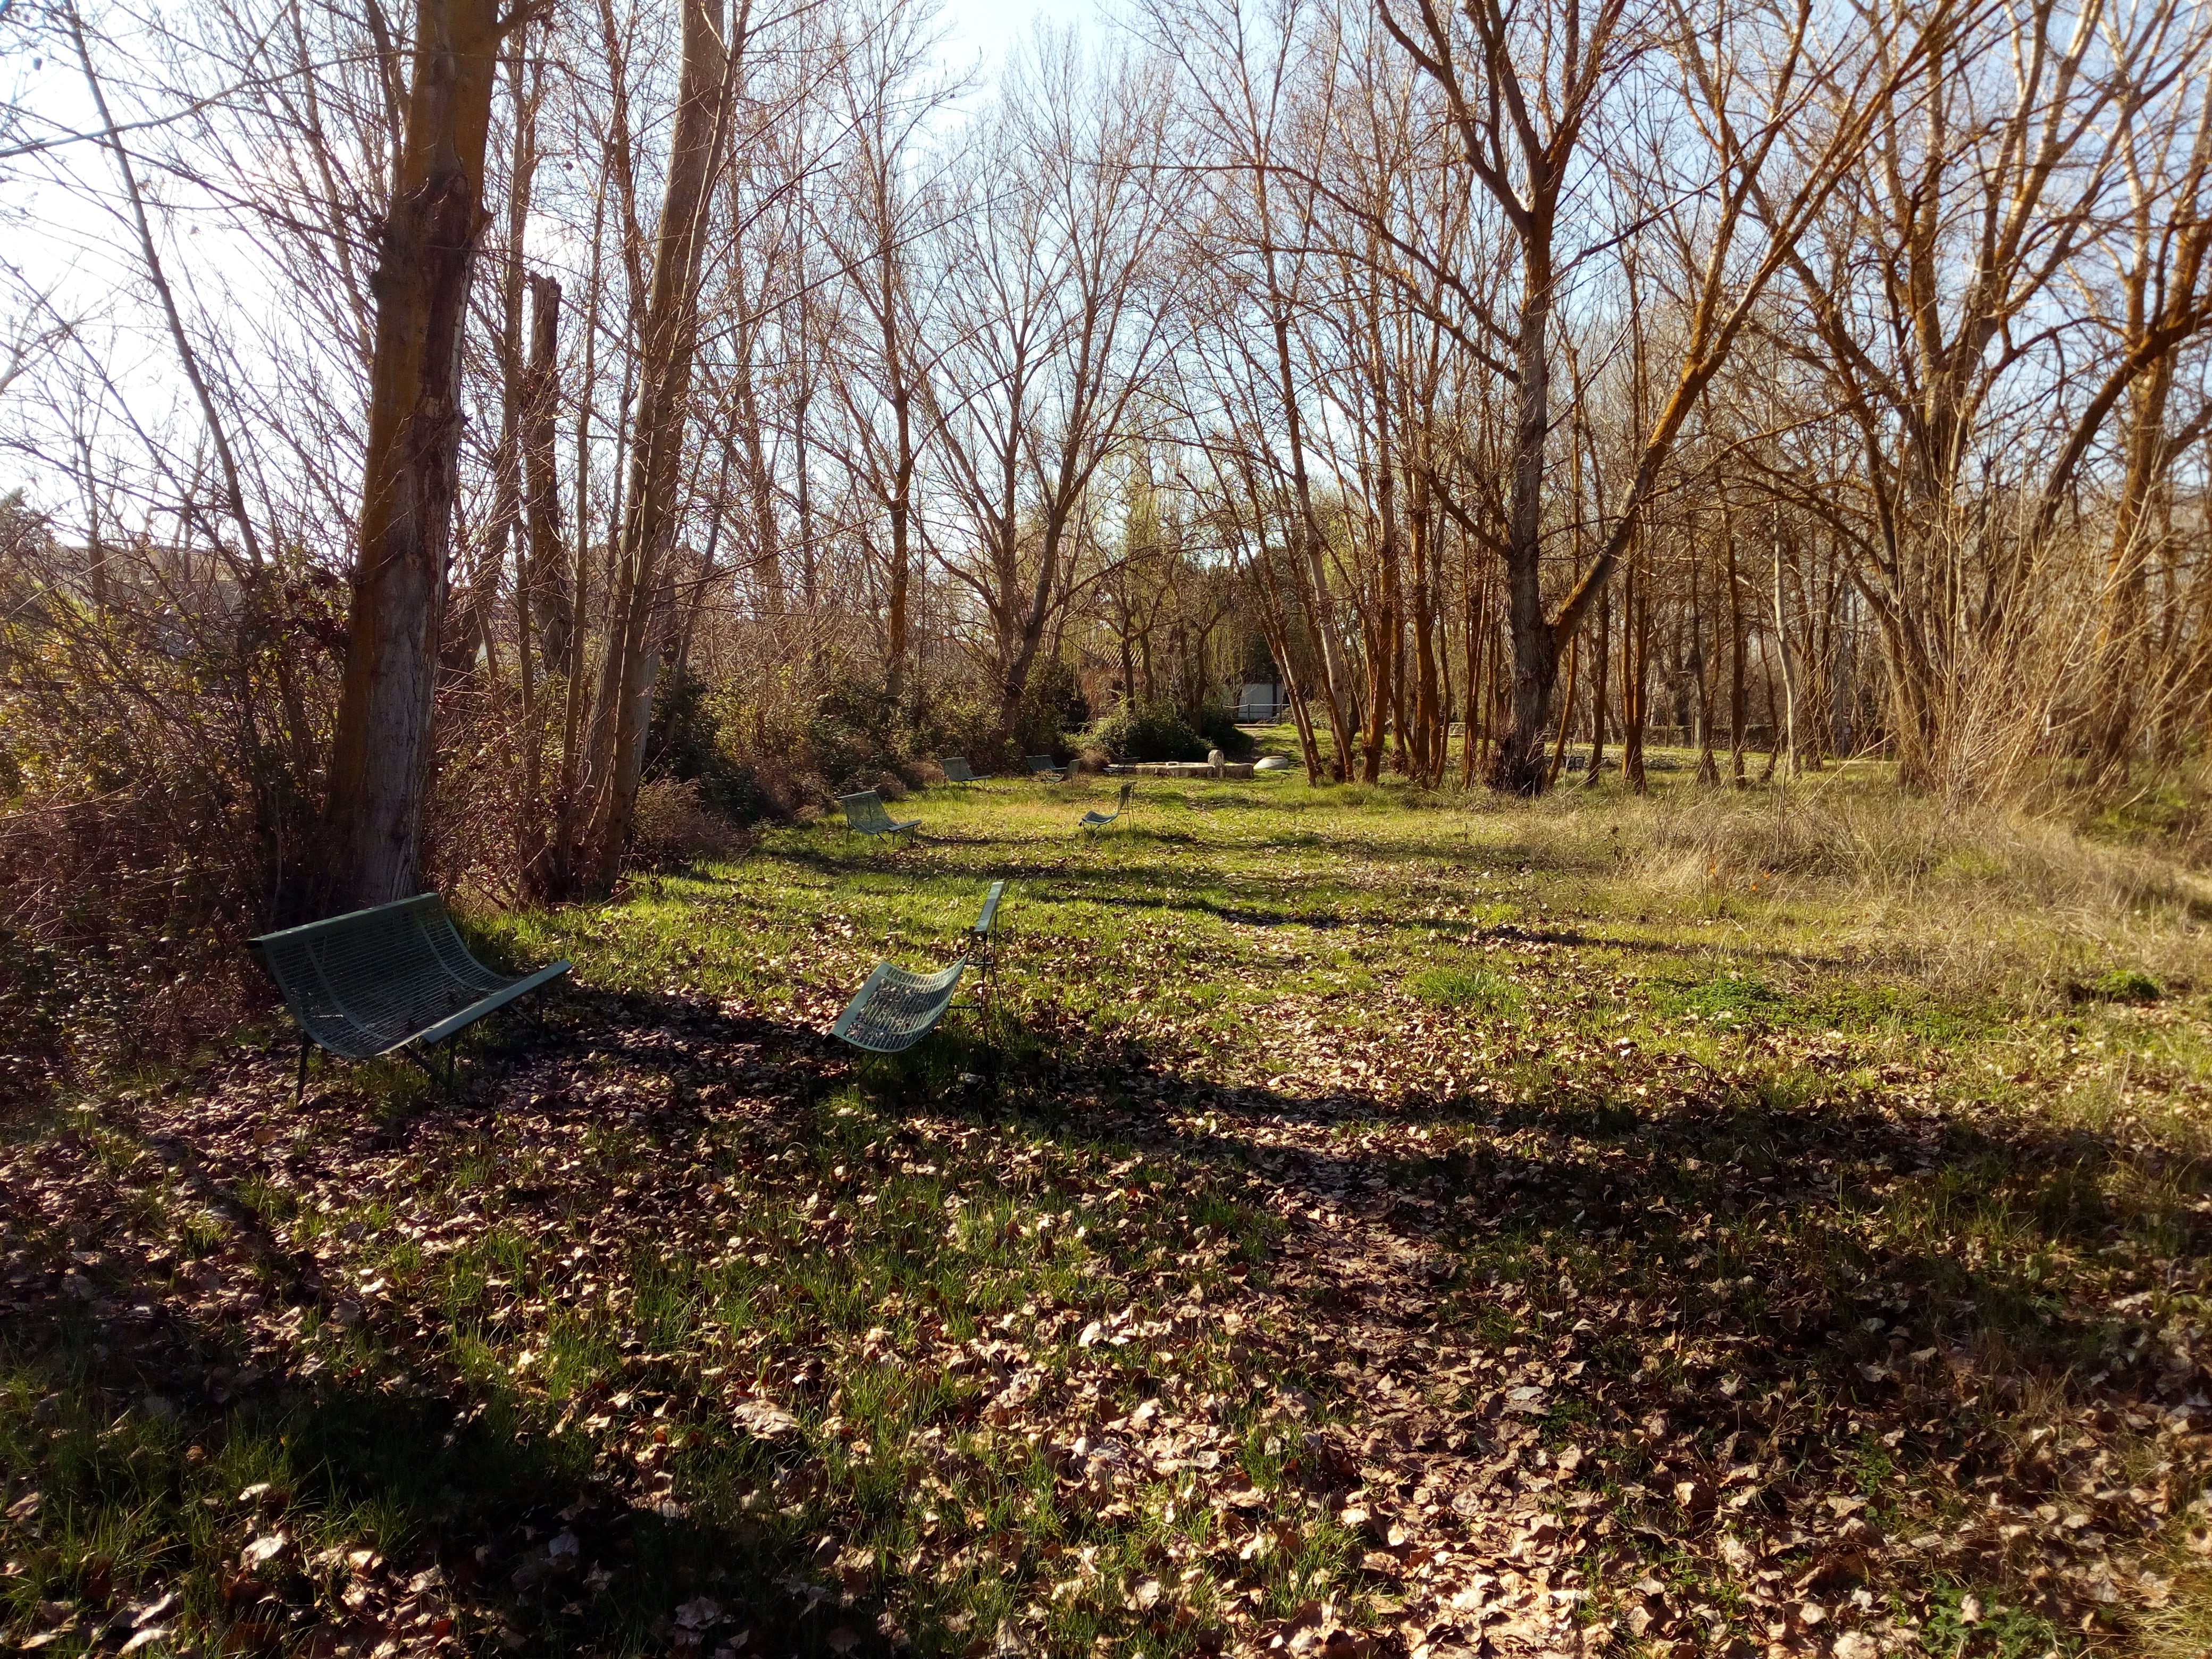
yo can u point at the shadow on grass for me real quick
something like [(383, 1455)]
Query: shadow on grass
[(1790, 1222), (1260, 901), (1832, 1241), (1870, 1259), (157, 1414), (481, 1515)]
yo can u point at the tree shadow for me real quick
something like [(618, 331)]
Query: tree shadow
[(1881, 1253), (1647, 1252), (147, 1382), (1262, 901)]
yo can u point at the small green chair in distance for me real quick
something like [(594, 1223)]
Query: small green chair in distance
[(863, 812), (1095, 820)]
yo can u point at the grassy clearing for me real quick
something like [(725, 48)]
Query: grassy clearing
[(1365, 1223)]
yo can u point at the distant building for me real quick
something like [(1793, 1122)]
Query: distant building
[(1259, 703)]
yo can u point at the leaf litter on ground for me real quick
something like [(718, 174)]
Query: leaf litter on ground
[(1400, 1326)]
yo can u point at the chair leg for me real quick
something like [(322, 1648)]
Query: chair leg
[(300, 1088)]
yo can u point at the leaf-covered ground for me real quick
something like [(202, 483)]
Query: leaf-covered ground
[(1361, 1226)]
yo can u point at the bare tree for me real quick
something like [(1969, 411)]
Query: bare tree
[(380, 755)]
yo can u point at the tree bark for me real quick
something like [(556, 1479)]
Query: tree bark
[(1598, 687), (1701, 664), (381, 757), (1518, 766), (1735, 654), (546, 576), (1636, 660), (656, 450)]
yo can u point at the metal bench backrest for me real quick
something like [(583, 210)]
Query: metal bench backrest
[(363, 982), (957, 769), (981, 930), (897, 1008), (864, 812)]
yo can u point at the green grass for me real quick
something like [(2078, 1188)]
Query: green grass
[(1351, 1201)]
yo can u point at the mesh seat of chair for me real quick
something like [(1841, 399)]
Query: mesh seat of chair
[(1094, 819), (895, 1009), (863, 812), (367, 983)]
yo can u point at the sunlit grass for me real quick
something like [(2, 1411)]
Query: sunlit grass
[(1447, 986)]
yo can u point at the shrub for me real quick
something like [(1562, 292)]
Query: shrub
[(673, 825), (778, 749), (688, 742), (955, 719), (853, 731), (1053, 706), (1218, 727), (161, 755), (1148, 732)]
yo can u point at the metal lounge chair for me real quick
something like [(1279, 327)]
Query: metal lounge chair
[(1095, 820), (394, 978), (895, 1009), (957, 769), (863, 812), (1044, 766)]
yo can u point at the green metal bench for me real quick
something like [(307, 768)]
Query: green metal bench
[(895, 1009), (1095, 820), (394, 978), (863, 812), (957, 769), (1044, 766)]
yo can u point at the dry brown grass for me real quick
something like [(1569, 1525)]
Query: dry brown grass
[(1992, 897)]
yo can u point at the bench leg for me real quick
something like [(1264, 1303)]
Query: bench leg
[(428, 1063)]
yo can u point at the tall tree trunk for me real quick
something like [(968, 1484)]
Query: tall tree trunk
[(1773, 712), (1788, 668), (1598, 683), (656, 456), (760, 487), (479, 639), (1427, 722), (1384, 693), (898, 623), (1308, 546), (1701, 664), (545, 580), (1735, 654), (1635, 666), (381, 752), (1566, 713), (2117, 665), (541, 593), (802, 507), (563, 862), (1471, 710), (1518, 766)]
